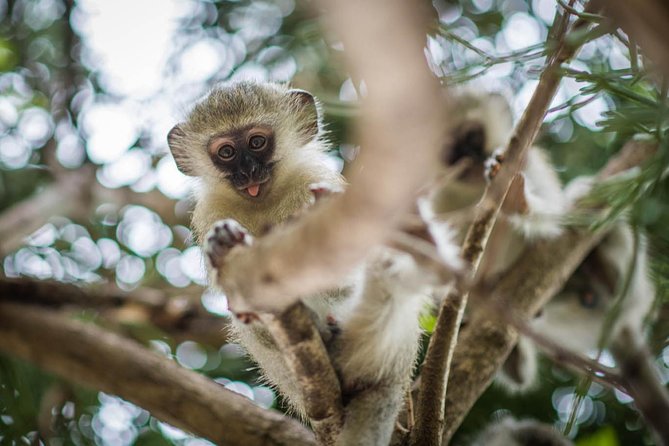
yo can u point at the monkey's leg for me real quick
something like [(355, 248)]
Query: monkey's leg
[(376, 349)]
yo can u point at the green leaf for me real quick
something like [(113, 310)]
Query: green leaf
[(605, 436)]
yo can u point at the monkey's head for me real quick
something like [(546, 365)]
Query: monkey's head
[(239, 132), (482, 122)]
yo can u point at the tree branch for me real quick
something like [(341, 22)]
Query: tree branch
[(643, 383), (527, 286), (88, 355), (25, 217), (182, 317), (435, 372), (307, 358), (562, 356)]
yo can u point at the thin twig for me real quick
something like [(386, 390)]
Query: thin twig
[(562, 356)]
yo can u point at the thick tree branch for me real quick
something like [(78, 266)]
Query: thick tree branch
[(181, 317), (435, 371), (88, 355), (538, 275), (401, 133), (25, 217), (307, 358)]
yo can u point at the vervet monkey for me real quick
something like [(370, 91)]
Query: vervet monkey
[(259, 152), (575, 316)]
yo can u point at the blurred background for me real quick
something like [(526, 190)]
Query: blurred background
[(90, 195)]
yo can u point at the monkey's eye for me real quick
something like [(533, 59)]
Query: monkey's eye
[(588, 299), (257, 142), (226, 152)]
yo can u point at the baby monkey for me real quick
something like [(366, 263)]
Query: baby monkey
[(259, 152)]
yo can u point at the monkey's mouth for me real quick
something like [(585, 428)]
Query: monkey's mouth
[(254, 190)]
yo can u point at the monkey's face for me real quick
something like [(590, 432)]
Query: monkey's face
[(576, 315), (234, 137), (468, 148), (244, 156)]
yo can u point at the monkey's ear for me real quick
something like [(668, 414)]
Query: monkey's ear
[(176, 140), (308, 112)]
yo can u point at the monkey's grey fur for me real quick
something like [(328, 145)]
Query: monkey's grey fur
[(377, 311)]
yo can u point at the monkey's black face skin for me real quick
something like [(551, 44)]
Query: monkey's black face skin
[(244, 155), (468, 145)]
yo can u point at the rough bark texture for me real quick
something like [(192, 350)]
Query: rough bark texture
[(88, 355), (307, 358)]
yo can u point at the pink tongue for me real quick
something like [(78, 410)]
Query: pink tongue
[(253, 190)]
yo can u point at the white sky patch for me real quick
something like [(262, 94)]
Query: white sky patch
[(9, 115), (14, 152), (192, 264), (129, 40), (111, 131), (251, 71), (618, 59), (521, 30), (143, 231), (347, 91), (545, 10), (591, 113), (203, 60), (132, 165), (171, 182), (35, 126)]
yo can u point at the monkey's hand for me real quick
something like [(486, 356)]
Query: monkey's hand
[(493, 164), (225, 235), (322, 190)]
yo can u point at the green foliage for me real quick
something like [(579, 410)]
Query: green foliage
[(606, 436)]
